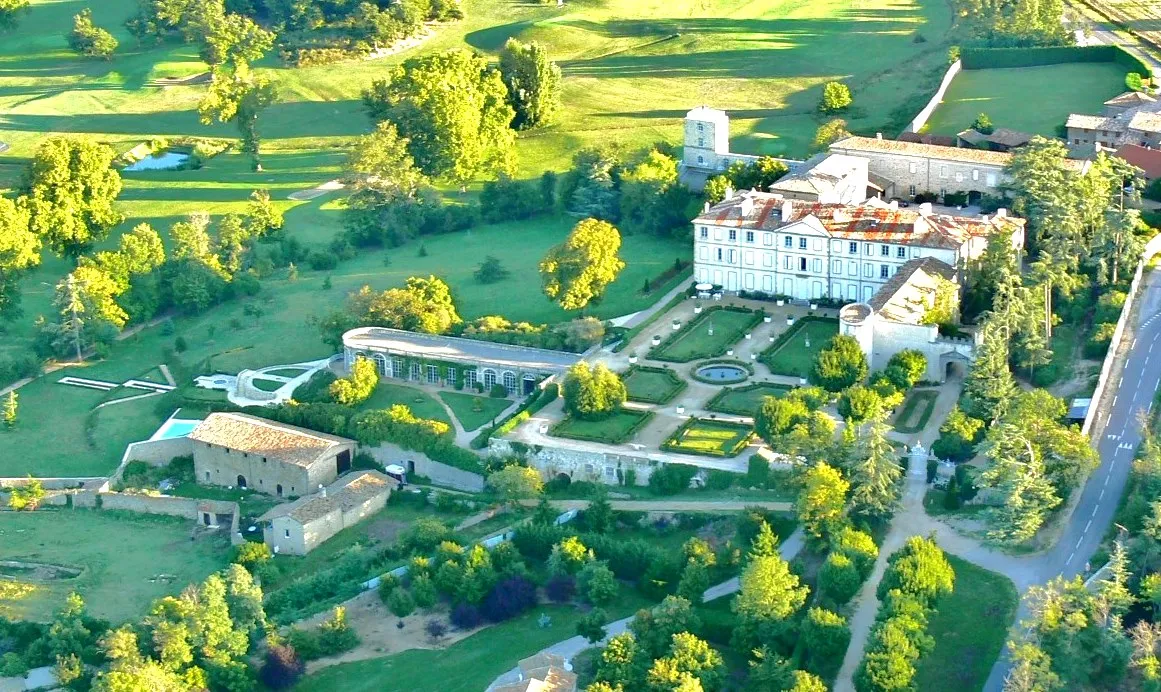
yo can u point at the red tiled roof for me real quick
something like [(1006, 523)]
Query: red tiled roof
[(863, 222), (1148, 160)]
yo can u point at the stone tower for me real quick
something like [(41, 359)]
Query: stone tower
[(707, 138)]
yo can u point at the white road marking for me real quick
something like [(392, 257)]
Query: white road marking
[(1086, 526), (1078, 542), (1102, 495), (1115, 400), (1134, 344), (1071, 555), (1094, 510), (1106, 479)]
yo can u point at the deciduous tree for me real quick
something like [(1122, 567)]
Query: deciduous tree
[(578, 271), (358, 386), (19, 252), (514, 482), (822, 502), (840, 364), (89, 39), (10, 13), (533, 81), (71, 189), (836, 97), (592, 392), (453, 109)]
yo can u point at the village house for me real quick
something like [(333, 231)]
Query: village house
[(764, 242), (298, 527), (238, 450), (542, 672), (1131, 118)]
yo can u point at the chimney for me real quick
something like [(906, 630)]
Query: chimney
[(787, 210), (1001, 213), (747, 205), (706, 208), (729, 192), (878, 135), (925, 208)]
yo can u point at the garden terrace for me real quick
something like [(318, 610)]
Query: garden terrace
[(652, 385), (789, 354), (694, 342), (744, 401), (615, 428), (453, 361), (708, 437)]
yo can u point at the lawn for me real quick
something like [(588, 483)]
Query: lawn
[(267, 385), (469, 664), (790, 354), (615, 429), (694, 340), (121, 555), (969, 629), (744, 401), (916, 411), (474, 410), (706, 437), (1004, 94), (652, 385), (422, 404)]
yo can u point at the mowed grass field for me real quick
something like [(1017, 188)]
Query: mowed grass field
[(1005, 95), (127, 560), (632, 69)]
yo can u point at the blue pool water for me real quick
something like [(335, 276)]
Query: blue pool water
[(159, 162), (175, 428), (723, 373)]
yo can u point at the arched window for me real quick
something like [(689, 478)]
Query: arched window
[(489, 378), (382, 364), (278, 489), (510, 382), (241, 481)]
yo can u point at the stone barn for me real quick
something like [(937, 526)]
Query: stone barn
[(296, 528), (237, 450)]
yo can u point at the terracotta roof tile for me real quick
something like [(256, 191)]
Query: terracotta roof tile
[(261, 437), (873, 144), (1148, 160), (344, 494)]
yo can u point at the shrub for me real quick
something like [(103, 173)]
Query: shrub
[(320, 260), (671, 479), (757, 472), (592, 625), (281, 668), (251, 554), (508, 598), (305, 643), (400, 603), (839, 579), (388, 583), (336, 636), (560, 588), (465, 616), (597, 584), (425, 534), (836, 97), (423, 592), (435, 629), (12, 666)]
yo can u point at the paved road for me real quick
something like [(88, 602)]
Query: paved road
[(1103, 33), (572, 646), (1132, 394)]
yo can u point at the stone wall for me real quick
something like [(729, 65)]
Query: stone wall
[(929, 174), (183, 507), (219, 466), (921, 118), (580, 465), (892, 337), (440, 474), (152, 452)]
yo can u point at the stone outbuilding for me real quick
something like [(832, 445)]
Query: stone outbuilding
[(238, 450), (296, 528)]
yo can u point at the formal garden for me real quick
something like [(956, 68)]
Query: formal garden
[(652, 385), (709, 437), (709, 334), (744, 401), (793, 352)]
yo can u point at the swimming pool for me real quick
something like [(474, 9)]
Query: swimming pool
[(175, 427)]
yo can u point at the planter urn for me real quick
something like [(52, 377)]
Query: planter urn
[(730, 352), (814, 306), (748, 335), (680, 410), (656, 340), (780, 302), (767, 319), (789, 320), (632, 359), (753, 356), (676, 325), (697, 309)]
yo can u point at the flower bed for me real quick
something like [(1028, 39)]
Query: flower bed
[(708, 437)]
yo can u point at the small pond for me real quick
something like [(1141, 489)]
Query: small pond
[(159, 162), (722, 373)]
